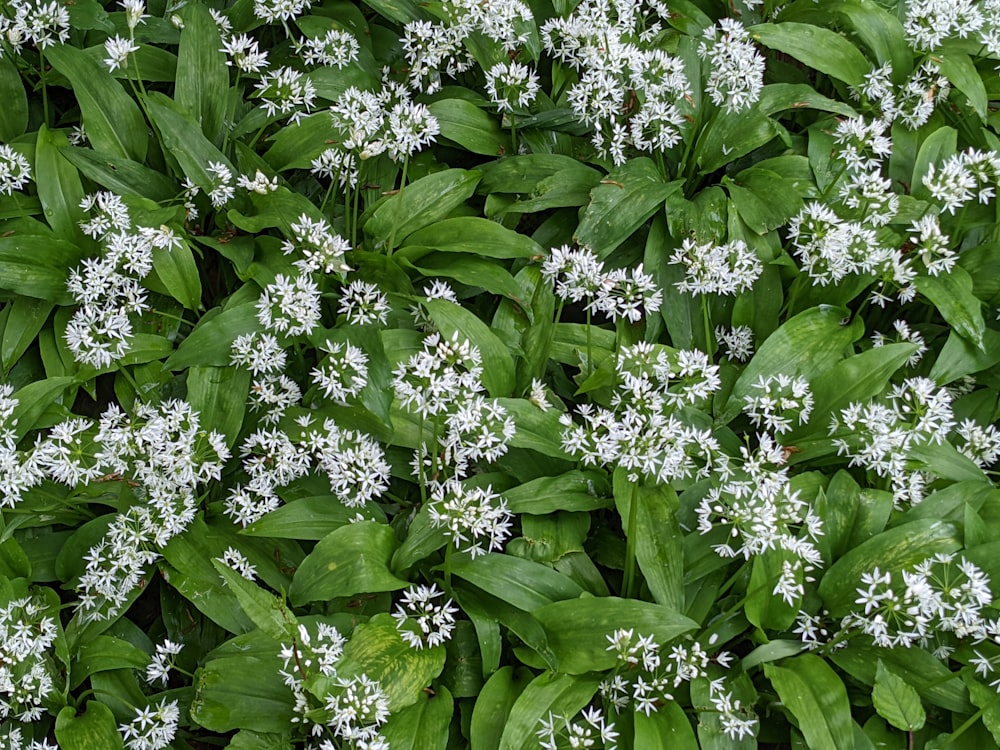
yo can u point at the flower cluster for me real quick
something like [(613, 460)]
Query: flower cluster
[(776, 401), (579, 275), (559, 732), (28, 632), (422, 621)]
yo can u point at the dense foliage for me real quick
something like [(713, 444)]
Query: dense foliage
[(503, 374)]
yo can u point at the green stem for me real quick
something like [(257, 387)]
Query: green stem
[(589, 352), (354, 218), (628, 582), (45, 88), (402, 184), (447, 565), (707, 317), (513, 136), (131, 381), (230, 113)]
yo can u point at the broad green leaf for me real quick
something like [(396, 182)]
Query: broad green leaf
[(37, 265), (819, 48), (896, 701), (280, 208), (807, 345), (247, 739), (14, 113), (524, 173), (309, 518), (958, 68), (574, 491), (893, 550), (422, 725), (569, 187), (420, 204), (952, 294), (816, 697), (242, 692), (470, 127), (455, 321), (423, 538), (537, 430), (985, 699), (177, 270), (940, 145), (297, 144), (34, 398), (211, 341), (493, 706), (666, 728), (377, 650), (521, 583), (560, 694), (764, 607), (202, 81), (219, 395), (468, 270), (578, 629), (59, 186), (763, 199), (182, 137), (960, 357), (94, 729), (120, 175), (658, 545), (621, 203), (857, 378), (26, 318), (267, 611), (353, 559), (111, 117), (475, 236), (106, 652), (933, 680)]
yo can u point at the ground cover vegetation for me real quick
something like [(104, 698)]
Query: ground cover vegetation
[(510, 374)]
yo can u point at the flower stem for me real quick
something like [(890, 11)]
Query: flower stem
[(628, 581)]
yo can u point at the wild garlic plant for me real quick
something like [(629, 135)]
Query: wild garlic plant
[(498, 374)]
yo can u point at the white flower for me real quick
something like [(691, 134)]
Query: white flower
[(158, 669), (15, 171), (434, 622), (290, 306), (737, 75), (363, 304), (511, 85), (236, 560), (152, 729), (243, 52), (475, 517), (717, 269)]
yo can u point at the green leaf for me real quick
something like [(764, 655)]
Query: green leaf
[(25, 320), (857, 378), (470, 127), (935, 150), (377, 650), (473, 235), (816, 697), (420, 204), (818, 48), (310, 518), (34, 398), (103, 653), (560, 694), (659, 549), (37, 265), (666, 728), (952, 294), (219, 395), (521, 583), (111, 117), (59, 186), (621, 204), (353, 559), (807, 345), (574, 490), (897, 548), (578, 629), (120, 175), (202, 83), (14, 113), (94, 729), (468, 270), (455, 321), (183, 138), (985, 699), (526, 172), (264, 609), (211, 341), (958, 68), (959, 357), (177, 269), (763, 199), (493, 706), (297, 144), (896, 701), (243, 691), (422, 725)]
